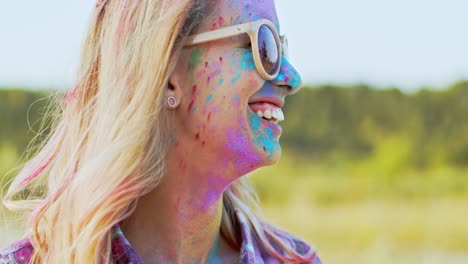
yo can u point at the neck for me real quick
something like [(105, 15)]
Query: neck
[(179, 221)]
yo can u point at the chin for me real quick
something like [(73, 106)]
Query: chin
[(269, 158)]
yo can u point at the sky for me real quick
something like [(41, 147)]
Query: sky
[(404, 43)]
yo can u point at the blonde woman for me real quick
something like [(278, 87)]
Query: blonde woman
[(176, 100)]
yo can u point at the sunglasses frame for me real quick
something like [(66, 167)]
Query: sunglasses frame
[(251, 29)]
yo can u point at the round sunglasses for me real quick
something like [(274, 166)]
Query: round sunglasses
[(267, 46)]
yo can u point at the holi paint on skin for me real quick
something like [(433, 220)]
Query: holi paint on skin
[(293, 79), (195, 59), (208, 98), (235, 78), (241, 145), (266, 134), (194, 91), (217, 70), (247, 62), (219, 23)]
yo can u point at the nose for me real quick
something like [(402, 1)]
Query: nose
[(288, 78)]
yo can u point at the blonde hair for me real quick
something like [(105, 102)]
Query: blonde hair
[(108, 139)]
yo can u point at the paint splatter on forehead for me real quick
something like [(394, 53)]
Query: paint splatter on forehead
[(232, 12), (252, 10)]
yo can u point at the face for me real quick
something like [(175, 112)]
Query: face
[(222, 91)]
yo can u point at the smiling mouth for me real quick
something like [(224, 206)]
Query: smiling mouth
[(267, 111)]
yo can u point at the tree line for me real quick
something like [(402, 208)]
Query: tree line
[(326, 122)]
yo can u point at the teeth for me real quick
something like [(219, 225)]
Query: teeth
[(278, 114), (275, 113), (268, 114)]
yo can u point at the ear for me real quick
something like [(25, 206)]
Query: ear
[(173, 89)]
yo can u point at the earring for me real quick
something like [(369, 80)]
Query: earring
[(171, 101)]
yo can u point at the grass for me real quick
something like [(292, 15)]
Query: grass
[(353, 214), (380, 231)]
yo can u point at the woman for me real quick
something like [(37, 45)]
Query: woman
[(176, 101)]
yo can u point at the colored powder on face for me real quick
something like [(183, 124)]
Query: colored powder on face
[(208, 98), (280, 77), (195, 59), (218, 23), (235, 78), (248, 14), (255, 122), (217, 66), (292, 80), (266, 140), (239, 143), (221, 81), (247, 61), (236, 100), (209, 116), (190, 106), (289, 74), (214, 74)]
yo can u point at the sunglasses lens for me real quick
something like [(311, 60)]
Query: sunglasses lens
[(268, 49)]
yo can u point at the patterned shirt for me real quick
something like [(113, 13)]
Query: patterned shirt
[(122, 252)]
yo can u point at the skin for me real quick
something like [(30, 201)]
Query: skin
[(215, 140)]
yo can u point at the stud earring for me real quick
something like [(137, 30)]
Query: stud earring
[(171, 101)]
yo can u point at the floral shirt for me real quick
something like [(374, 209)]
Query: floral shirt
[(122, 252)]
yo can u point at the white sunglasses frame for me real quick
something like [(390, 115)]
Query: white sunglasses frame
[(251, 29)]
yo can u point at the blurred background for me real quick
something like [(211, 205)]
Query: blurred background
[(375, 147)]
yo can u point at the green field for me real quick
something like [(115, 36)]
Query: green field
[(359, 219)]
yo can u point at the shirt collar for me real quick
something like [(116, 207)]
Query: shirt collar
[(123, 252)]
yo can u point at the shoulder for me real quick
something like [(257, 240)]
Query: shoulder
[(19, 252), (299, 245)]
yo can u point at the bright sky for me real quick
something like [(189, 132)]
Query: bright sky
[(407, 43)]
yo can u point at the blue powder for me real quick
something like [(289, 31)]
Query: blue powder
[(294, 82), (266, 140), (280, 77), (209, 98), (248, 62), (255, 121), (236, 78)]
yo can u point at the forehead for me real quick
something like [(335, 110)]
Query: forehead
[(233, 12)]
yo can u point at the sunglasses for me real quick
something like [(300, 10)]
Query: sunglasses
[(267, 46)]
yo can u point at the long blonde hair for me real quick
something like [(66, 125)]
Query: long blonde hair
[(107, 143)]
